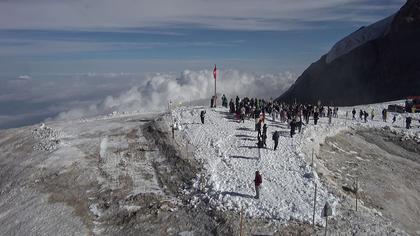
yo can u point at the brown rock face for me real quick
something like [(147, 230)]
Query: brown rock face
[(383, 69)]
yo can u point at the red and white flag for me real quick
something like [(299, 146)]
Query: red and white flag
[(215, 71)]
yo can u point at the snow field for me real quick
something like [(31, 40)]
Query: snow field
[(228, 150), (230, 155)]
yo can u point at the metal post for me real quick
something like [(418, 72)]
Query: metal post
[(312, 164), (326, 225), (186, 150), (356, 200), (313, 216), (241, 222), (357, 190)]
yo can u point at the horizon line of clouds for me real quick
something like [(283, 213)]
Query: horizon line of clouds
[(232, 15), (18, 46)]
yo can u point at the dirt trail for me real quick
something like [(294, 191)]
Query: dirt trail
[(387, 168)]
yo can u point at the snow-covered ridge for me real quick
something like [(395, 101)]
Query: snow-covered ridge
[(359, 37)]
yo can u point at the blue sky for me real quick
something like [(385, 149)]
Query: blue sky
[(160, 36), (59, 55)]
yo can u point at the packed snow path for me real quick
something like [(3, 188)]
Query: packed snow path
[(230, 156)]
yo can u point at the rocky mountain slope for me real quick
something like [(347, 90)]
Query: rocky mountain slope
[(377, 63)]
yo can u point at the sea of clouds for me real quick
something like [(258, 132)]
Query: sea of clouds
[(156, 90), (29, 99)]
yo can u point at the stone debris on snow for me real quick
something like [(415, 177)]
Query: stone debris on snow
[(47, 138)]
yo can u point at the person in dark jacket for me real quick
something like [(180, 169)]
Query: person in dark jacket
[(257, 182), (202, 115), (231, 106), (259, 128), (408, 122), (384, 114), (265, 129), (224, 101), (292, 128), (260, 143), (264, 139), (276, 139), (316, 117), (354, 113)]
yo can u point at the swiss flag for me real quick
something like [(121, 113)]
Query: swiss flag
[(215, 71)]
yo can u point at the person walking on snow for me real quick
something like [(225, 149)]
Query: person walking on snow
[(292, 127), (329, 114), (408, 122), (354, 113), (265, 129), (264, 140), (384, 114), (394, 119), (259, 128), (242, 114), (276, 139), (316, 117), (202, 114), (257, 182)]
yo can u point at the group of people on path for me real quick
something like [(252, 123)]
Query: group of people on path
[(295, 115)]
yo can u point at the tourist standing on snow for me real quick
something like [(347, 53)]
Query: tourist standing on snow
[(242, 114), (237, 103), (335, 113), (224, 101), (316, 117), (354, 113), (264, 135), (264, 140), (372, 113), (265, 129), (329, 114), (257, 182), (292, 127), (408, 122), (366, 115), (231, 106), (299, 124), (384, 114), (202, 114), (276, 136), (273, 114), (394, 119)]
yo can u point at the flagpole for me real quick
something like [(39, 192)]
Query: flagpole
[(215, 78), (215, 96)]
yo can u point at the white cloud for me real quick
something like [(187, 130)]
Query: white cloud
[(23, 77), (155, 92)]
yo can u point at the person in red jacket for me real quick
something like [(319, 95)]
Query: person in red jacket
[(258, 182)]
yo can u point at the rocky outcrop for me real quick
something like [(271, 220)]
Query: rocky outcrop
[(383, 67)]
